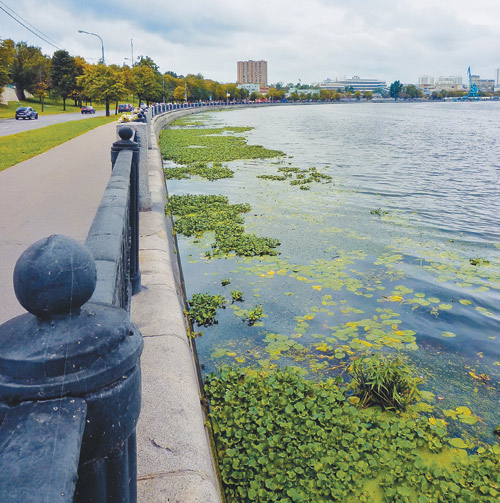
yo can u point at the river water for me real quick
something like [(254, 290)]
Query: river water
[(399, 252)]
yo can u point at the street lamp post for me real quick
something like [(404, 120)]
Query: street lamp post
[(102, 43)]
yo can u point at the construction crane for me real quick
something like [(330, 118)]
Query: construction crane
[(472, 95)]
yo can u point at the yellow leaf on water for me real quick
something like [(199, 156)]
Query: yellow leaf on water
[(465, 411), (240, 359), (301, 278), (394, 298), (317, 287)]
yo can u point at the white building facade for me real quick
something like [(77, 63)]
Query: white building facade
[(355, 83)]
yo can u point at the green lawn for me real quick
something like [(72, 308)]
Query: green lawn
[(51, 107), (16, 148)]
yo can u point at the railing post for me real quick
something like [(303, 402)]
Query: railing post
[(69, 374), (126, 143)]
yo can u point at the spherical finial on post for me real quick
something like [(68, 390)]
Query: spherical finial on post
[(54, 276), (125, 132)]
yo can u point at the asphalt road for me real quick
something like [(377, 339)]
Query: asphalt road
[(11, 126)]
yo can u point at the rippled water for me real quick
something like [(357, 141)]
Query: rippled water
[(427, 264)]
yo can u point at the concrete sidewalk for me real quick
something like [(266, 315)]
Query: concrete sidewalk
[(57, 192)]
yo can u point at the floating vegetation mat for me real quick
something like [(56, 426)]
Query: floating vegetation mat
[(356, 274), (283, 438)]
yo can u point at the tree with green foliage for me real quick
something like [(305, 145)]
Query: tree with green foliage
[(147, 83), (412, 91), (368, 95), (395, 89), (7, 54), (63, 74), (103, 83), (179, 93), (26, 65)]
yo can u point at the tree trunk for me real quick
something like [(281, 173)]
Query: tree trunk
[(116, 108), (64, 103), (107, 107), (20, 94)]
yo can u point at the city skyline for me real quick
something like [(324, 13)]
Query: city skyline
[(386, 41)]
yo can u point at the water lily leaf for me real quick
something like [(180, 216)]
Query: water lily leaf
[(458, 443), (448, 334), (445, 307)]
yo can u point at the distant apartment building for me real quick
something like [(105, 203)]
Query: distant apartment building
[(252, 72), (497, 80), (355, 83), (483, 84), (254, 88), (425, 80), (428, 83)]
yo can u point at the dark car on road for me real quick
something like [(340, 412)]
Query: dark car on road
[(125, 107), (88, 110), (26, 113)]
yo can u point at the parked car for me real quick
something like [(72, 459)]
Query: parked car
[(88, 110), (125, 107), (26, 113)]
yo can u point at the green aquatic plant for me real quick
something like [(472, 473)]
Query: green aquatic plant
[(298, 176), (254, 314), (478, 261), (197, 214), (192, 145), (379, 212), (203, 308), (225, 281), (236, 296), (283, 438), (211, 173), (386, 381)]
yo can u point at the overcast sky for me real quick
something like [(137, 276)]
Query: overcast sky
[(310, 40)]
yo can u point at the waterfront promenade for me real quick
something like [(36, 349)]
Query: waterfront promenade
[(58, 192)]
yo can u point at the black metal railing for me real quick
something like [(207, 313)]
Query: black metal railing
[(70, 389)]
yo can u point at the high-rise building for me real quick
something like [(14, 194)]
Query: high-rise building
[(252, 72), (497, 80)]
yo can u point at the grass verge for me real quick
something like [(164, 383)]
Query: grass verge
[(51, 107), (19, 147)]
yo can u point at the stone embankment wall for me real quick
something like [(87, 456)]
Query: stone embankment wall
[(175, 459)]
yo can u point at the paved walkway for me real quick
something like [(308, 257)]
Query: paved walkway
[(57, 192)]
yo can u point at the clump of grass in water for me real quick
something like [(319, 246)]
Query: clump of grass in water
[(386, 381)]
